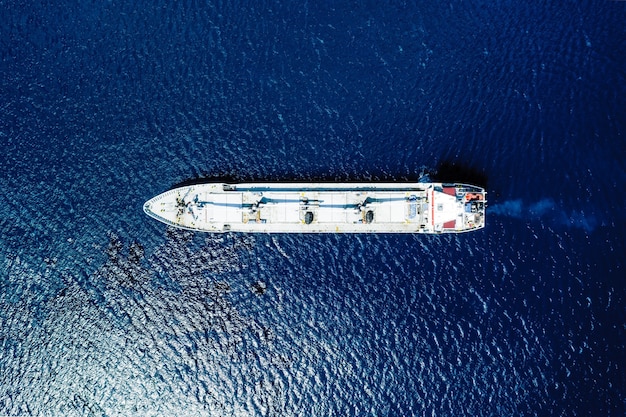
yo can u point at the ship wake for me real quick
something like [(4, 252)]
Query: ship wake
[(547, 211)]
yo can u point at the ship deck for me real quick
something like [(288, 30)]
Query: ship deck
[(322, 208)]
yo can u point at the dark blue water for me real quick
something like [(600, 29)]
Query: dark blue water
[(104, 311)]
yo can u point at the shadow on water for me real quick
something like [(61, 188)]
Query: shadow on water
[(310, 177), (451, 171), (447, 171)]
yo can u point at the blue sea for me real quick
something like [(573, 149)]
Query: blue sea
[(106, 312)]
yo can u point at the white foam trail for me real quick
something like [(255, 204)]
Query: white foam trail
[(280, 250)]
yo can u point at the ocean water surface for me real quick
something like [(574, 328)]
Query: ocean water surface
[(106, 312)]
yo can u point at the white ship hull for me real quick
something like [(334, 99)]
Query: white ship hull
[(322, 207)]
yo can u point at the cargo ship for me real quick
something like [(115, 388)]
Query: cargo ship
[(431, 208)]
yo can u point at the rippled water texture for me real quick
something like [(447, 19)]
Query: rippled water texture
[(104, 311)]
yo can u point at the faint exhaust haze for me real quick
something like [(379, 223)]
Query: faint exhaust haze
[(546, 210)]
